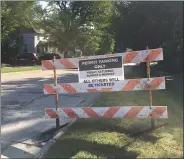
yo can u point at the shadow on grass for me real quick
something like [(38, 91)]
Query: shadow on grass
[(69, 147), (85, 137), (100, 150), (106, 125)]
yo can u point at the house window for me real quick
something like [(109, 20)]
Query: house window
[(38, 37)]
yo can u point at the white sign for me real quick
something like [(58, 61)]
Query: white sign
[(101, 70)]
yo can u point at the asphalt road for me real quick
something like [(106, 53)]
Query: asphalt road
[(23, 104), (19, 90)]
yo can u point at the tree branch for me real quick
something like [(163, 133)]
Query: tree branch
[(64, 4)]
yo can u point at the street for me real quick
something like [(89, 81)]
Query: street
[(22, 108)]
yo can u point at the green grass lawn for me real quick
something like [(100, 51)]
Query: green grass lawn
[(120, 138), (19, 69)]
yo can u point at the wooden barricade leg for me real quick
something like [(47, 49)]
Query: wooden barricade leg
[(57, 96), (150, 93)]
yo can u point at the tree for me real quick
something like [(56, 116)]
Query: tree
[(77, 25), (146, 23), (15, 15), (107, 44), (153, 24), (11, 46)]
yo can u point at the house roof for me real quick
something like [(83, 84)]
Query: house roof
[(39, 31), (32, 30), (27, 30)]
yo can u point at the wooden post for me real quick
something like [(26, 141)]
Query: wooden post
[(57, 96), (150, 92)]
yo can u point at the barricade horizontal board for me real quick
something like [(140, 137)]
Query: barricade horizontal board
[(108, 112), (123, 85), (128, 57)]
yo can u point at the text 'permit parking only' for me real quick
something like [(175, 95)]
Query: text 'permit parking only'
[(101, 70)]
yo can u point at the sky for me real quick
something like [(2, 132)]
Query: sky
[(43, 3)]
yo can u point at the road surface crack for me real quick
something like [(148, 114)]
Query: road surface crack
[(32, 100)]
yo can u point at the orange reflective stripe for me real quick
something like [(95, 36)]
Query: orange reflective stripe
[(70, 113), (156, 82), (105, 90), (49, 89), (90, 112), (131, 84), (129, 56), (158, 111), (68, 88), (48, 64), (133, 111), (51, 113), (67, 63), (92, 90), (110, 112), (153, 54)]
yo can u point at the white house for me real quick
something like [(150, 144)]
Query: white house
[(36, 41)]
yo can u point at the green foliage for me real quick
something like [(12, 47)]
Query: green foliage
[(78, 25), (107, 44), (11, 46), (15, 15), (152, 24)]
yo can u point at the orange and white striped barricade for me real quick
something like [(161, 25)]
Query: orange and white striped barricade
[(109, 112), (154, 83), (124, 85), (127, 57)]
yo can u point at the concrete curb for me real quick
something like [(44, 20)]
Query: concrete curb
[(57, 135)]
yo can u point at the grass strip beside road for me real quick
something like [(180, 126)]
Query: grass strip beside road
[(116, 138), (20, 69)]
